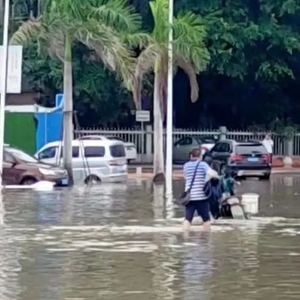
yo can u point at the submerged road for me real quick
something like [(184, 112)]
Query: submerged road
[(117, 241)]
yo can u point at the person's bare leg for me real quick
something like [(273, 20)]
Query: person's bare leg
[(186, 225), (207, 226)]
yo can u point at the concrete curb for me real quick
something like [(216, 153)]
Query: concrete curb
[(147, 171)]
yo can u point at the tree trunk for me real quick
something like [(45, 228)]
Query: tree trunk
[(158, 159), (68, 111)]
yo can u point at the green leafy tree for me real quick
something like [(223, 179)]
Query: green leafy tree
[(190, 54), (254, 48), (105, 26)]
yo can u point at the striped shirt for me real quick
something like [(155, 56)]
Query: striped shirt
[(197, 192)]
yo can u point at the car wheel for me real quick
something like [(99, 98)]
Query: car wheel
[(91, 179), (266, 177), (28, 181)]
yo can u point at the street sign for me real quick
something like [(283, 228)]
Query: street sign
[(142, 116), (14, 69)]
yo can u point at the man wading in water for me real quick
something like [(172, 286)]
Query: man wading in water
[(198, 199)]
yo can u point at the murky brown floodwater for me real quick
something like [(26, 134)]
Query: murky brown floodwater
[(121, 242)]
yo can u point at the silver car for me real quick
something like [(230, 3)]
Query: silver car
[(93, 160), (183, 147)]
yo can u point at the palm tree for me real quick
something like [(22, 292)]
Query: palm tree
[(105, 26), (190, 54)]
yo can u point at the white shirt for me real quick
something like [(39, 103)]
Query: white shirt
[(268, 143)]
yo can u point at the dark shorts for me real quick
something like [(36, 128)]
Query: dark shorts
[(202, 208)]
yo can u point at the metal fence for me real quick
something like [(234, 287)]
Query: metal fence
[(144, 141)]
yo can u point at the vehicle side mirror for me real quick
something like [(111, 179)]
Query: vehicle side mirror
[(11, 164)]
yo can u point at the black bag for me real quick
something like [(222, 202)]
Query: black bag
[(207, 189), (185, 196)]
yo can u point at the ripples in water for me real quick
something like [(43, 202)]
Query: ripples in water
[(121, 242)]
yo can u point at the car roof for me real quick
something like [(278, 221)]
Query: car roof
[(199, 136), (93, 137), (235, 142), (95, 142), (227, 140)]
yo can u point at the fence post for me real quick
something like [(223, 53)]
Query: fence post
[(223, 131), (149, 132), (289, 144)]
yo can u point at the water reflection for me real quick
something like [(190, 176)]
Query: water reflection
[(125, 242), (158, 201), (9, 262), (197, 267)]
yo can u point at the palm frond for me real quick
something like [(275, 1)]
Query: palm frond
[(109, 48), (56, 45), (28, 31), (159, 9), (138, 40), (189, 25), (49, 38), (116, 14), (145, 63), (189, 40), (188, 68)]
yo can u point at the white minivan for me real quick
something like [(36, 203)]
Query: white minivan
[(93, 160)]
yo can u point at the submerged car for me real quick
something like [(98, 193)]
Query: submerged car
[(130, 148), (21, 168), (92, 160)]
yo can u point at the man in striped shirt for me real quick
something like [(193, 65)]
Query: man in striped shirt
[(198, 199)]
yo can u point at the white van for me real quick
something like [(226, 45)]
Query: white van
[(103, 161)]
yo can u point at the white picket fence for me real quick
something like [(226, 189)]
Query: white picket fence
[(143, 139)]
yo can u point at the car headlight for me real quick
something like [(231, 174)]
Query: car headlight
[(47, 172)]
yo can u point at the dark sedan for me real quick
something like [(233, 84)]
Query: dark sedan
[(242, 159)]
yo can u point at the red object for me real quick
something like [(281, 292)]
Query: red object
[(266, 158), (236, 157)]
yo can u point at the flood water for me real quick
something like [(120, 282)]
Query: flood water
[(124, 242)]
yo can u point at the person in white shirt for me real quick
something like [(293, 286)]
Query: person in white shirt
[(269, 144)]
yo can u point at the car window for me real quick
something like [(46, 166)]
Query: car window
[(47, 153), (205, 140), (21, 155), (8, 158), (75, 151), (115, 138), (251, 148), (217, 147), (117, 151), (186, 141), (226, 147), (222, 148), (94, 151)]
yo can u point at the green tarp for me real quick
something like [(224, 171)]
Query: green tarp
[(20, 131)]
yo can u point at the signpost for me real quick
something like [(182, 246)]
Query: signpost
[(10, 77), (142, 116), (14, 69)]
